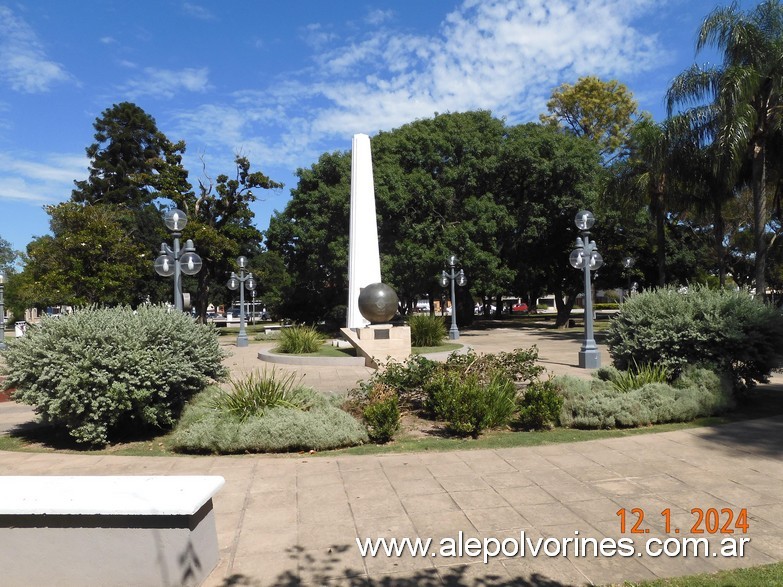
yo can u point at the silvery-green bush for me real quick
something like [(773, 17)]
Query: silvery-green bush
[(207, 428), (598, 403), (103, 373), (728, 330)]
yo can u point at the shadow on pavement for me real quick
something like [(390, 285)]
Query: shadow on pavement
[(328, 570), (763, 436)]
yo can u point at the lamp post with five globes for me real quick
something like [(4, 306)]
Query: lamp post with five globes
[(242, 282), (175, 261), (454, 276), (586, 257)]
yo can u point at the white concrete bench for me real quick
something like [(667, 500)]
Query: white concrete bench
[(275, 327), (107, 531)]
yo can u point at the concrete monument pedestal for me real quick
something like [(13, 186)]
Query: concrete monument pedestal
[(380, 343)]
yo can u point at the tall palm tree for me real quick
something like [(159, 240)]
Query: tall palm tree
[(747, 90)]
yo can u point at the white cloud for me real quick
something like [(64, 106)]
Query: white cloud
[(23, 62), (316, 36), (166, 83), (378, 16), (45, 180), (502, 55), (197, 11)]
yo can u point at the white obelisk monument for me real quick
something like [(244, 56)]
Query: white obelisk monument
[(364, 260)]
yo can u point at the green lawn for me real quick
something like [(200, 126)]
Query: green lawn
[(751, 577)]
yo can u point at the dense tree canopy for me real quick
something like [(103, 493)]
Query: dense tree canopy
[(88, 259)]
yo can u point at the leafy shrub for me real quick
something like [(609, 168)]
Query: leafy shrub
[(468, 405), (540, 407), (427, 330), (104, 372), (382, 413), (598, 403), (518, 365), (606, 306), (728, 330), (406, 378), (298, 340), (323, 426), (258, 391)]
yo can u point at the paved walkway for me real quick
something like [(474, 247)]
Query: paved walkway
[(294, 520)]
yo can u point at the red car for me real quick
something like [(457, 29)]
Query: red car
[(519, 307)]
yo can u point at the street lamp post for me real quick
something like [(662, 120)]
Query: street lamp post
[(454, 276), (2, 309), (242, 282), (175, 261), (586, 257)]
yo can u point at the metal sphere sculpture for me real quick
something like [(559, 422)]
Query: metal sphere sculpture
[(378, 303)]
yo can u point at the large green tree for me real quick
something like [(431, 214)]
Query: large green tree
[(546, 176), (88, 259), (311, 236), (436, 187), (128, 152), (131, 165), (501, 199)]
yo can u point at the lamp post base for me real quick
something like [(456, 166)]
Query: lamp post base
[(589, 359), (242, 340), (453, 334)]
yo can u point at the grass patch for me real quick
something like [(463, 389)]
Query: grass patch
[(326, 350), (441, 348), (494, 439), (751, 577)]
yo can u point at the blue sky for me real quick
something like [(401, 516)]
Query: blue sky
[(283, 82)]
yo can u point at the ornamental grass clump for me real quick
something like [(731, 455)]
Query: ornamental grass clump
[(100, 374), (298, 340), (259, 391), (427, 330), (635, 377)]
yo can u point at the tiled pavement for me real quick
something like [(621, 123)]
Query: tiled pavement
[(294, 520)]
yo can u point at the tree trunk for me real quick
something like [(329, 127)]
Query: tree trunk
[(499, 306), (720, 248), (201, 299), (564, 305), (760, 217), (660, 237)]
